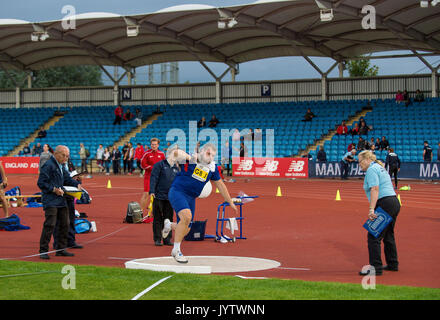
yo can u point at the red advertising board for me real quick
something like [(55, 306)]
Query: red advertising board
[(20, 164), (271, 167)]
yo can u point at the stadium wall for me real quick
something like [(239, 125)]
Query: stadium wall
[(232, 92)]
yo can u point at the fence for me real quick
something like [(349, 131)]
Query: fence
[(231, 92)]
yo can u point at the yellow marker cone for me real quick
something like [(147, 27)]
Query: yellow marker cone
[(398, 197), (279, 192), (216, 190), (109, 184), (338, 196)]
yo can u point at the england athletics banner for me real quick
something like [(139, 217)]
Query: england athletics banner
[(270, 167), (20, 164)]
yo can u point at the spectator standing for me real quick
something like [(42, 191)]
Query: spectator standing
[(116, 159), (107, 161), (138, 153), (427, 152), (125, 157), (118, 115), (130, 158), (321, 156), (83, 156), (99, 157)]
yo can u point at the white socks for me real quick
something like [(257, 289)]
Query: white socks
[(177, 246)]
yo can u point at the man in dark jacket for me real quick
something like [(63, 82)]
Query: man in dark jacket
[(52, 179), (321, 156), (392, 163), (162, 177)]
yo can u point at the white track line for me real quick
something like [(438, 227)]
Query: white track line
[(150, 287)]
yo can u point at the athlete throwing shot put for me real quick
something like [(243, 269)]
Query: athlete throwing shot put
[(195, 174)]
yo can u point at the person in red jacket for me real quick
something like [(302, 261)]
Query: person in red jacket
[(138, 153), (342, 129), (149, 159), (118, 115)]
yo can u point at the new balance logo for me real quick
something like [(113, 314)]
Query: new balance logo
[(296, 166), (271, 166), (245, 165)]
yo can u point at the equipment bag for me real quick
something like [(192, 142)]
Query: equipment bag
[(82, 225), (134, 213), (197, 231), (85, 198), (12, 223)]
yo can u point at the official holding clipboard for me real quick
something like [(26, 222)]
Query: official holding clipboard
[(380, 193)]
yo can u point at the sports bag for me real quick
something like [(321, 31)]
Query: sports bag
[(12, 223), (134, 213), (82, 225)]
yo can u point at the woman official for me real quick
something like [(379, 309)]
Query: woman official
[(380, 193)]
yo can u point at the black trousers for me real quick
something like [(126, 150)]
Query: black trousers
[(344, 169), (162, 210), (71, 241), (393, 172), (52, 215), (392, 206)]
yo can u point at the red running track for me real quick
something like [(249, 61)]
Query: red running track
[(305, 228)]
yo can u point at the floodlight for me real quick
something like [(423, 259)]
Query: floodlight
[(424, 3), (221, 24), (132, 31), (232, 23), (326, 14), (435, 2)]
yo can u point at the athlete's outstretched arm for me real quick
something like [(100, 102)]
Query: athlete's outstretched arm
[(225, 193)]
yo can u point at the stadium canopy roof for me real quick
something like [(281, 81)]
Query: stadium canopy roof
[(264, 29)]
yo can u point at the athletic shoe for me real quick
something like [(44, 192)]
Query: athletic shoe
[(178, 256), (166, 228)]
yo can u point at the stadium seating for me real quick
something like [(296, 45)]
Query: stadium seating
[(16, 124), (406, 128), (290, 133)]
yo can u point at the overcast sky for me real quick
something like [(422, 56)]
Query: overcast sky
[(267, 69)]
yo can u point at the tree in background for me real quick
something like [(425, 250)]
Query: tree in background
[(68, 76), (362, 68)]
